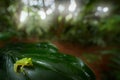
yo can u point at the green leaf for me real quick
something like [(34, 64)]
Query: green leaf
[(48, 63)]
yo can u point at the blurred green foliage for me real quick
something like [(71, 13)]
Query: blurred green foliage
[(86, 28)]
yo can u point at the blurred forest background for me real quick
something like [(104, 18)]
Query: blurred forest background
[(85, 22)]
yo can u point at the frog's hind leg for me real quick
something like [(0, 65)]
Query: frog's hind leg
[(15, 67)]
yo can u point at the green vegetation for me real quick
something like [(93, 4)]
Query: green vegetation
[(47, 63), (96, 22)]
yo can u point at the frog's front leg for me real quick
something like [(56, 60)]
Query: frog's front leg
[(21, 68)]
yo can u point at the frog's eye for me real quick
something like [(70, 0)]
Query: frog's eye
[(29, 59)]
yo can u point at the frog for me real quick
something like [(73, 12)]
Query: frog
[(20, 64)]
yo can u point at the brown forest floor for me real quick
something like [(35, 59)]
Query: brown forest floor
[(98, 65)]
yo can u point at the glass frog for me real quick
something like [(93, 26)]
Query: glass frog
[(21, 63)]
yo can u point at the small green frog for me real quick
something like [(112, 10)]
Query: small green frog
[(21, 63)]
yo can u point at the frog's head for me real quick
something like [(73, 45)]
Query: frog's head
[(28, 62)]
